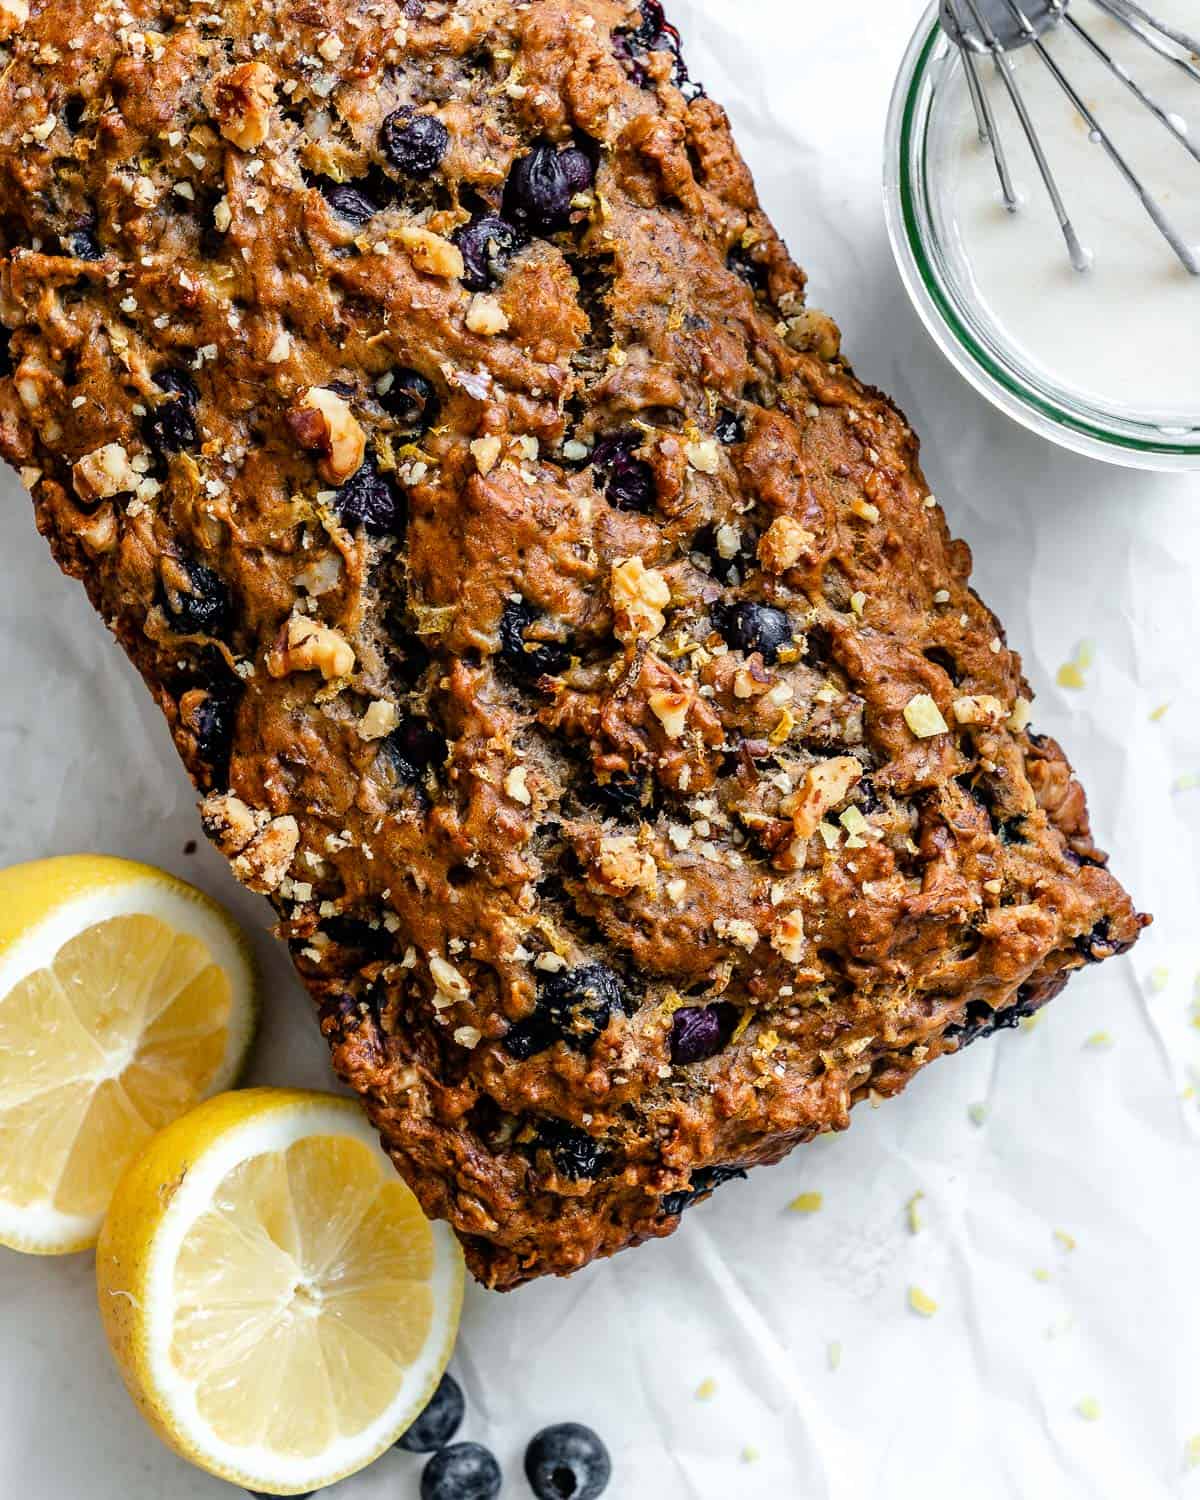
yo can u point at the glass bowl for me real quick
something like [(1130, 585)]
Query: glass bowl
[(928, 95)]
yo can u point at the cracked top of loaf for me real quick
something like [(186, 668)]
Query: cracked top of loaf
[(560, 633)]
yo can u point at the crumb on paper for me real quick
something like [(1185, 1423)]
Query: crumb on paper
[(916, 1219), (921, 1302), (1041, 1274), (750, 1454), (1159, 979), (1188, 782), (706, 1390), (1191, 1452), (834, 1354), (1067, 1241), (1089, 1409), (977, 1113), (1071, 673), (806, 1203), (1099, 1041), (1157, 715)]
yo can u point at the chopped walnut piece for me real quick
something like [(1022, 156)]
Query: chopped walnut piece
[(515, 785), (670, 706), (704, 455), (924, 717), (814, 331), (787, 936), (229, 822), (1021, 715), (431, 253), (486, 453), (639, 596), (622, 866), (99, 533), (305, 645), (450, 984), (242, 100), (824, 786), (13, 16), (485, 315), (104, 473), (738, 930), (323, 423), (379, 720), (264, 861), (979, 708), (783, 543)]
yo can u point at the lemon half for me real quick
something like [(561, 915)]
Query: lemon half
[(126, 997), (280, 1308)]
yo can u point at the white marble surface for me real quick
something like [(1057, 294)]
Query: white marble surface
[(979, 1400)]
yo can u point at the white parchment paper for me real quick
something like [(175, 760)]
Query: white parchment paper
[(1097, 1141)]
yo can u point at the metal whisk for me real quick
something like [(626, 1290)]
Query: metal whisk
[(998, 27)]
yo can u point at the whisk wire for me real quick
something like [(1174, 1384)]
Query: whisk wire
[(1136, 19), (1081, 259), (1124, 76), (1156, 42)]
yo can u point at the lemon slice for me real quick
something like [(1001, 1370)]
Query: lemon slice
[(280, 1308), (126, 997)]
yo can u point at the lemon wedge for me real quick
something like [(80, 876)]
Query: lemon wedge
[(126, 997), (277, 1303)]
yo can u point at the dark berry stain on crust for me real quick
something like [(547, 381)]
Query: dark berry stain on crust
[(533, 590)]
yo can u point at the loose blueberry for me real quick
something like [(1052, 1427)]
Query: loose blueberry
[(752, 271), (413, 746), (465, 1471), (369, 499), (170, 425), (567, 1462), (412, 401), (576, 1155), (752, 627), (700, 1031), (204, 607), (730, 428), (413, 143), (440, 1420), (529, 660), (487, 245), (542, 184), (348, 202), (704, 1181), (574, 1006), (628, 481)]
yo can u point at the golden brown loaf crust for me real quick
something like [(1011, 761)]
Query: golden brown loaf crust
[(561, 635)]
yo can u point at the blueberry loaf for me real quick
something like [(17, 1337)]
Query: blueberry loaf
[(558, 633)]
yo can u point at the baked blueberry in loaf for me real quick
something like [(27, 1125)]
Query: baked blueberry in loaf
[(558, 632)]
